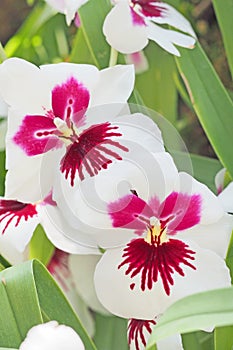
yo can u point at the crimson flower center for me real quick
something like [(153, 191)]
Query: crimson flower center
[(156, 257)]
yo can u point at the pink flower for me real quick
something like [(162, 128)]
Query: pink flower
[(131, 23)]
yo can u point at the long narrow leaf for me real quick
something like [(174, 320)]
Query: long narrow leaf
[(224, 14), (210, 100), (213, 308), (30, 296), (92, 17)]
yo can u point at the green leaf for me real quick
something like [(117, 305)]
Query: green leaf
[(30, 296), (202, 168), (80, 52), (224, 14), (198, 341), (40, 246), (92, 17), (2, 173), (157, 85), (39, 15), (4, 263), (198, 311), (110, 333), (223, 338), (210, 100), (229, 257)]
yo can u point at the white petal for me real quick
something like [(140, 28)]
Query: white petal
[(115, 85), (219, 180), (82, 268), (113, 286), (60, 233), (173, 342), (3, 108), (174, 18), (211, 208), (29, 179), (23, 87), (58, 73), (120, 31), (226, 198), (9, 251), (139, 60), (72, 7), (142, 171), (3, 131), (51, 336), (58, 5), (18, 236), (166, 38), (215, 236)]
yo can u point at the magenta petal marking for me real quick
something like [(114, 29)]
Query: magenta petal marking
[(59, 268), (181, 211), (136, 330), (92, 152), (11, 209), (136, 18), (151, 261), (70, 101), (131, 212), (36, 135), (149, 9)]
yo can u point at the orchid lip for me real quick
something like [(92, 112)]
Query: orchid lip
[(156, 255)]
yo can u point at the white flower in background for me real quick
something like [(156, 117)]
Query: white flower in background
[(62, 118), (3, 123), (132, 23), (68, 7), (52, 336), (220, 179), (139, 60), (18, 221), (139, 332)]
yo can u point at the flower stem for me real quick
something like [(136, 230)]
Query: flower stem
[(113, 57), (3, 55)]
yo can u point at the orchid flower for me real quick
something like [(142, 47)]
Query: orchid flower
[(139, 332), (138, 20), (18, 221), (52, 336), (139, 60), (63, 117), (160, 229), (68, 7)]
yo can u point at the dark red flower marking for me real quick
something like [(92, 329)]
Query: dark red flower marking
[(154, 260), (138, 330), (11, 209), (91, 151), (157, 254), (148, 8), (59, 268)]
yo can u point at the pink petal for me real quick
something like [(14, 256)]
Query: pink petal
[(92, 152), (70, 101), (131, 212), (36, 135), (181, 211)]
